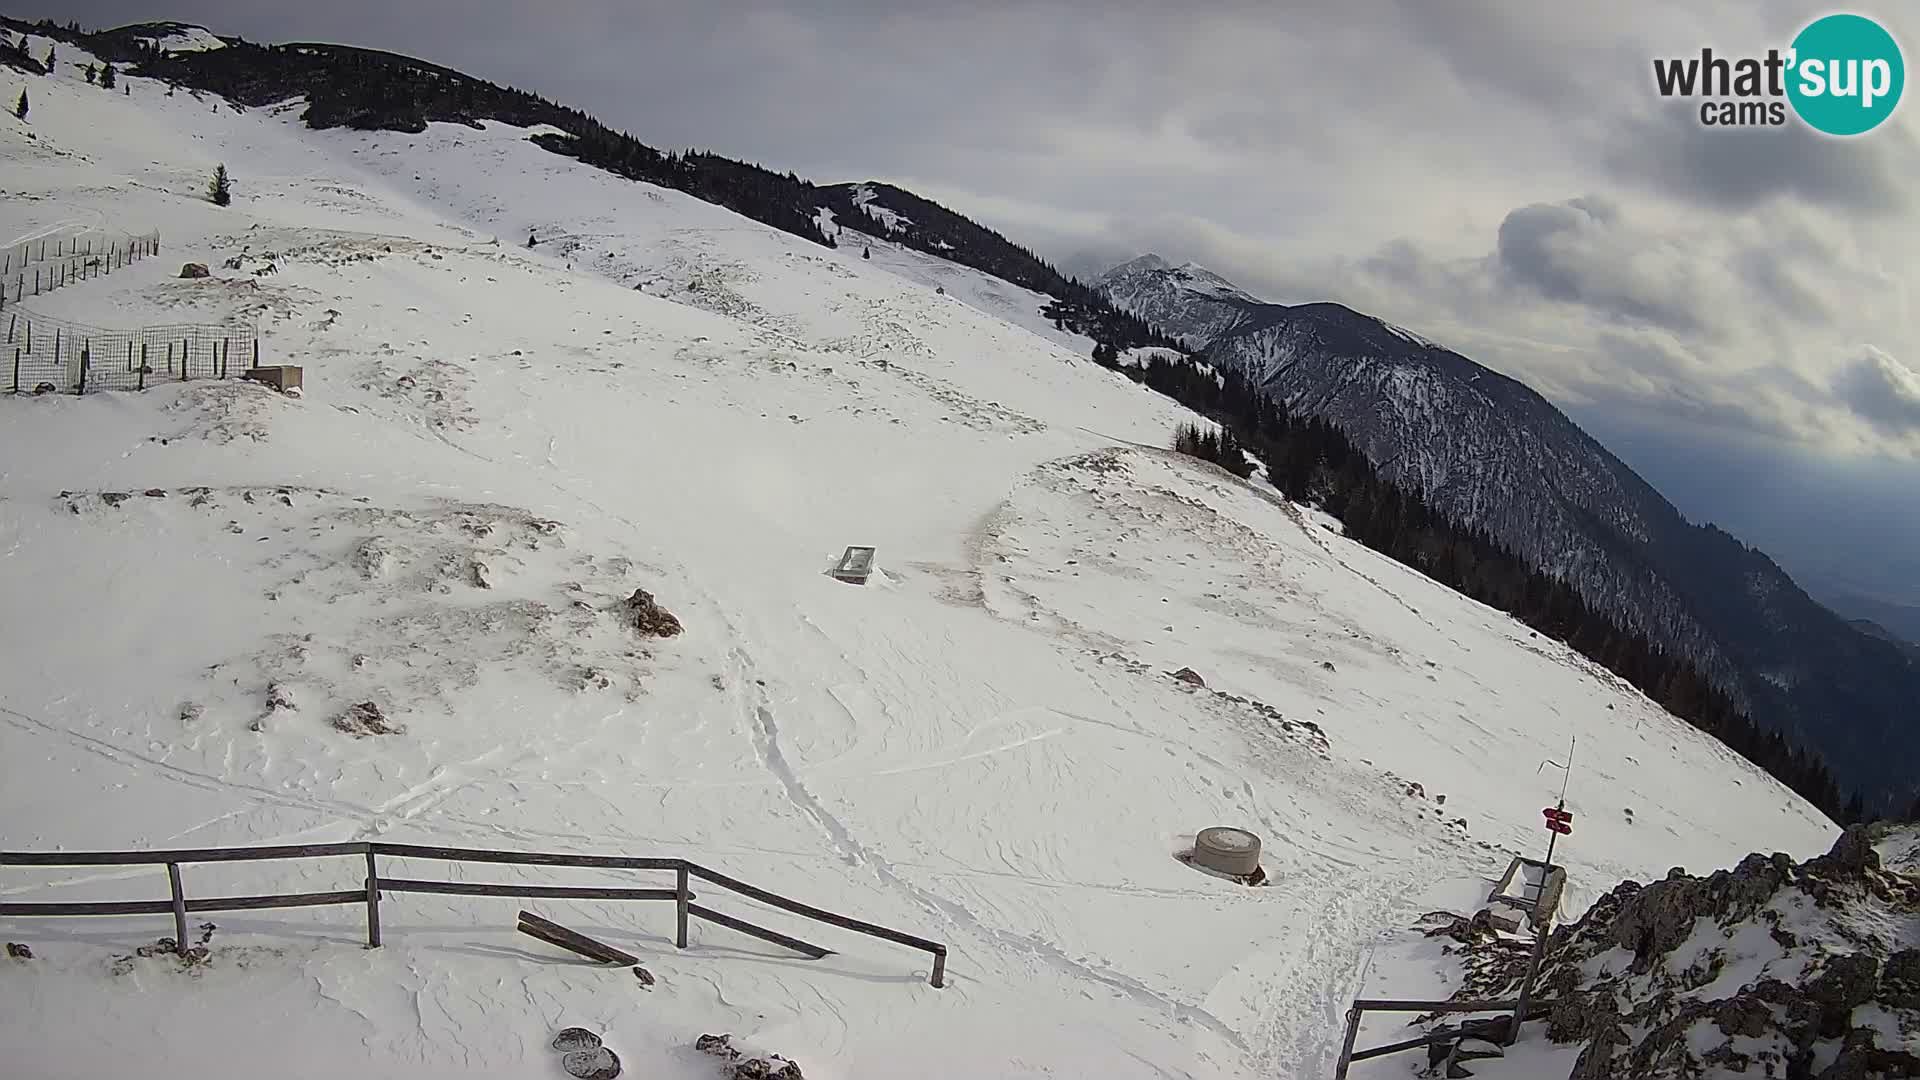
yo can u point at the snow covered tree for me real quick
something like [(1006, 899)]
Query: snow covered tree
[(93, 74), (106, 77), (50, 56), (20, 108), (866, 253), (220, 189)]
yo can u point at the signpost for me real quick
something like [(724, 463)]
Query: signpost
[(1559, 823)]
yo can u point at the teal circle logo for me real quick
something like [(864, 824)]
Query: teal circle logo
[(1847, 74)]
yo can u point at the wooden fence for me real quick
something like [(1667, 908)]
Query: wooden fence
[(370, 894)]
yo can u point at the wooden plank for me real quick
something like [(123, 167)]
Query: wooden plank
[(1395, 1048), (373, 902), (164, 907), (558, 892), (523, 858), (680, 896), (255, 903), (818, 914), (179, 909), (117, 907), (761, 932), (183, 855), (554, 934)]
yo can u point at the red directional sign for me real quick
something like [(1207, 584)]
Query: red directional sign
[(1560, 821)]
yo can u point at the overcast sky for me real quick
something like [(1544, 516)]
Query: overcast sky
[(1732, 312)]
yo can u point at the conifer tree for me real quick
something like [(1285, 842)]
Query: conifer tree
[(50, 55), (93, 74), (106, 77), (220, 190), (20, 108)]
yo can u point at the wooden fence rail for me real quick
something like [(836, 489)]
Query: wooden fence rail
[(375, 886)]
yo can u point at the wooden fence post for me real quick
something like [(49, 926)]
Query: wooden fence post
[(373, 902), (179, 909), (680, 902), (86, 357), (16, 369), (183, 359), (143, 366), (256, 352)]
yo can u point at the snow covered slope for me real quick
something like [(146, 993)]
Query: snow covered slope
[(1491, 453), (983, 745)]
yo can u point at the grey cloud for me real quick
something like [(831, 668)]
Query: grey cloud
[(1739, 168), (1576, 252), (1883, 390)]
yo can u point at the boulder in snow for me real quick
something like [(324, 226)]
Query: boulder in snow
[(644, 614)]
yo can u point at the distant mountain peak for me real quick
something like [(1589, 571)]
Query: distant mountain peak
[(1190, 276)]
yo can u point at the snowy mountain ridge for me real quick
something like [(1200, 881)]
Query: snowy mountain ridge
[(498, 444), (1490, 453)]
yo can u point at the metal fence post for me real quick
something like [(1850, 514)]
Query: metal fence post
[(680, 902), (373, 901), (939, 976), (1346, 1049), (179, 909), (1526, 984)]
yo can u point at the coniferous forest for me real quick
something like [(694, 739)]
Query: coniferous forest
[(1310, 461)]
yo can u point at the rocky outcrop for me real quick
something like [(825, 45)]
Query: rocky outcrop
[(1770, 969)]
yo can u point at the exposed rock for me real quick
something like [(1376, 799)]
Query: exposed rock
[(646, 977), (1189, 676), (569, 1040), (363, 719), (641, 612), (195, 270), (720, 1046), (1900, 980), (1846, 983), (17, 951)]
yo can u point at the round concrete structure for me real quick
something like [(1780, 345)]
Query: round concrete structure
[(1227, 850)]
